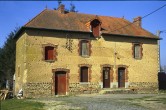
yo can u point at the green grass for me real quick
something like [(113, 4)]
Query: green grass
[(21, 104)]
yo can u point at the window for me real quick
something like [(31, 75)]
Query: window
[(84, 74), (96, 27), (49, 52), (85, 48), (137, 51)]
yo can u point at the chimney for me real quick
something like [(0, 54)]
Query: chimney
[(61, 8), (138, 21)]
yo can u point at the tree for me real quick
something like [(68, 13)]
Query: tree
[(72, 7), (7, 58)]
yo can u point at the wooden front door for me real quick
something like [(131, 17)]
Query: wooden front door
[(121, 77), (60, 83), (106, 77)]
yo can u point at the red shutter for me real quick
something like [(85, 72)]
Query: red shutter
[(49, 53), (46, 53)]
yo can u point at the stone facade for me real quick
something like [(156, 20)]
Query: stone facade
[(36, 76)]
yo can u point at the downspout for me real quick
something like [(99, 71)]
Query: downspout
[(115, 53), (158, 34)]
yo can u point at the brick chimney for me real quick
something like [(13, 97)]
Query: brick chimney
[(61, 8), (138, 21)]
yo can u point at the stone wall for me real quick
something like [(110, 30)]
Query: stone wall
[(144, 87), (37, 89), (108, 50), (83, 88)]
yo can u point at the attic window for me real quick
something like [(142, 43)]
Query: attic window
[(96, 27)]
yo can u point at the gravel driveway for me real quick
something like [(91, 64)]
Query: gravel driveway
[(97, 102)]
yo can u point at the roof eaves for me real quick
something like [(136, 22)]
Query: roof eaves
[(25, 27), (55, 29), (19, 32), (133, 36)]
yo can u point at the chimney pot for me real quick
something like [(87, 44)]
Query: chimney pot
[(138, 21), (61, 8)]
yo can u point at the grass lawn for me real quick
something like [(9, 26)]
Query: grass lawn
[(20, 104)]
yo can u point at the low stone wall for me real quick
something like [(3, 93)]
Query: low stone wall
[(83, 88), (144, 87), (45, 88), (37, 89)]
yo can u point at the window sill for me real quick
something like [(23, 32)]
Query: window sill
[(138, 58), (85, 56)]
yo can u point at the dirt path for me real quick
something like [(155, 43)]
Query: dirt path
[(105, 102)]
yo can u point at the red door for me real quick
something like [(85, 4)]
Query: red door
[(106, 77), (121, 77), (60, 83)]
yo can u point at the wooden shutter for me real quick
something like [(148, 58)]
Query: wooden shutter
[(49, 53)]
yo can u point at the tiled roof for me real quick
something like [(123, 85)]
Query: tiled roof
[(53, 19)]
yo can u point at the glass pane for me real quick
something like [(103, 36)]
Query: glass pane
[(106, 74), (85, 48), (137, 51)]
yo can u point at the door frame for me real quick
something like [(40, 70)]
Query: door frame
[(126, 73), (111, 73), (53, 79)]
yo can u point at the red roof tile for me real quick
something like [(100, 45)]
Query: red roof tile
[(52, 19)]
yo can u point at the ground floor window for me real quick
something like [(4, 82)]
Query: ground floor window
[(84, 74)]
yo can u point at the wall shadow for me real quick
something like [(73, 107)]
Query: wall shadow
[(162, 80)]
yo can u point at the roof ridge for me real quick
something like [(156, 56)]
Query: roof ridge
[(35, 17)]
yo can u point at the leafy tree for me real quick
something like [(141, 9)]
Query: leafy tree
[(72, 7), (7, 58)]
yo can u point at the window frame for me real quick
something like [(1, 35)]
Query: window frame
[(89, 73), (140, 51), (44, 46), (80, 48), (81, 76)]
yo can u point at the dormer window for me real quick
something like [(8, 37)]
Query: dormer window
[(96, 27)]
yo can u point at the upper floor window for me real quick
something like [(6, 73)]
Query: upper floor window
[(49, 53), (84, 48), (137, 50)]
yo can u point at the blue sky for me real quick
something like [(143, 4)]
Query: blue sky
[(17, 13)]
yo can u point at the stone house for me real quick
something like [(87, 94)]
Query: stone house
[(60, 53)]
